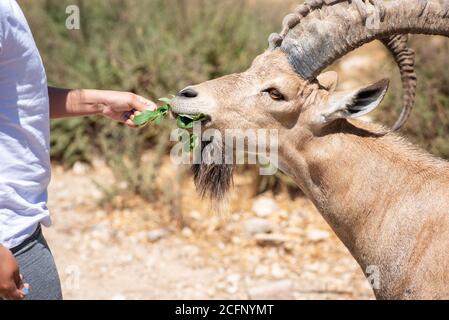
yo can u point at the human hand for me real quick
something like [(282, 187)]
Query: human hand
[(11, 284), (124, 106)]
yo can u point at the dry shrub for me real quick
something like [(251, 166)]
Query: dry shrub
[(429, 124)]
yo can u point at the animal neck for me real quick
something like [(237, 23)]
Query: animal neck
[(361, 179)]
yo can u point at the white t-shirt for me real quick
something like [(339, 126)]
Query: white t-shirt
[(24, 130)]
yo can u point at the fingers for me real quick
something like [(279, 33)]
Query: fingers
[(126, 107), (17, 277), (25, 289), (13, 293), (128, 117), (131, 124), (141, 104), (18, 290)]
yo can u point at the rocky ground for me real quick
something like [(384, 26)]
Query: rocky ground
[(273, 247)]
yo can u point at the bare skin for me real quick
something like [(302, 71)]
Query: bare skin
[(11, 284), (116, 105), (385, 199)]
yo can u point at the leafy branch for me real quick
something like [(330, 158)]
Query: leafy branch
[(183, 121)]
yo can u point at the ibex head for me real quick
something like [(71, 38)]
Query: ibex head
[(285, 88), (272, 95)]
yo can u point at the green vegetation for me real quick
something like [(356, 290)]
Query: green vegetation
[(156, 116), (184, 121), (187, 121), (149, 47)]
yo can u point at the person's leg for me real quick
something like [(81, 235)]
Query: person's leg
[(38, 268)]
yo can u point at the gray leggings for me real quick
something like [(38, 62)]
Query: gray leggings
[(38, 268)]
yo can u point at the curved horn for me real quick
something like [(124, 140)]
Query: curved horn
[(331, 33), (405, 58), (350, 29)]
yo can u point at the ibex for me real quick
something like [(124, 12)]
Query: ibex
[(385, 199)]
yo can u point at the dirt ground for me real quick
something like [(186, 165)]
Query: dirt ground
[(259, 248), (276, 248)]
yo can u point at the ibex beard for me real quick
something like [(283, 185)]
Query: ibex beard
[(213, 172), (213, 180)]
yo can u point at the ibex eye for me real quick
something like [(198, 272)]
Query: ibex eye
[(275, 94)]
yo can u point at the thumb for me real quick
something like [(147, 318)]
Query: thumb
[(23, 288), (14, 291), (17, 277), (142, 104), (21, 285)]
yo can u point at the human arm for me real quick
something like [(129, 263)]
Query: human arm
[(116, 105)]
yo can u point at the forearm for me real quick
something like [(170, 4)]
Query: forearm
[(116, 105), (73, 103)]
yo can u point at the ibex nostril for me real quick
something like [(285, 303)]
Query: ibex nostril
[(188, 93)]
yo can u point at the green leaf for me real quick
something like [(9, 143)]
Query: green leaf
[(159, 119), (156, 116), (194, 141), (145, 117), (165, 100), (164, 109), (186, 121)]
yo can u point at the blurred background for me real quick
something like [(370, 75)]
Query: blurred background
[(128, 223)]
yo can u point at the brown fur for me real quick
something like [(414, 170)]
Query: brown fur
[(213, 180)]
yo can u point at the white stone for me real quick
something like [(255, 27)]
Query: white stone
[(256, 225), (101, 232), (196, 215), (150, 262), (80, 168), (277, 271), (261, 270), (263, 207), (127, 258), (157, 234), (284, 214), (236, 240), (211, 292), (96, 245), (123, 185), (187, 232), (232, 289), (233, 278), (277, 290), (317, 235)]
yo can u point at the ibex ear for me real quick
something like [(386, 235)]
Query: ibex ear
[(328, 80), (356, 103)]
